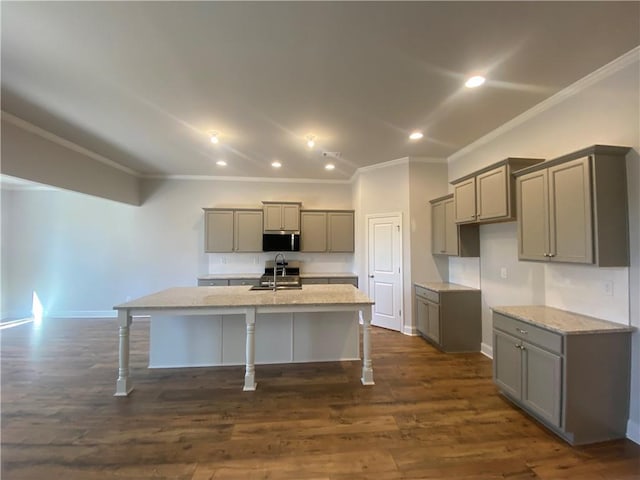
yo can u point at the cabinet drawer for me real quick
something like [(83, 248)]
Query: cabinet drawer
[(213, 283), (428, 294), (314, 281), (539, 336), (244, 281)]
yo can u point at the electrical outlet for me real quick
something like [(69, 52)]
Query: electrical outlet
[(503, 272), (607, 288)]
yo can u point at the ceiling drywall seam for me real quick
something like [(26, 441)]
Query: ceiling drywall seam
[(23, 124), (609, 69)]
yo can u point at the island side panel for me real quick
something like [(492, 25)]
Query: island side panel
[(325, 336)]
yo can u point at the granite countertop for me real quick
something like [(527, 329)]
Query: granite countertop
[(242, 296), (561, 321), (444, 287), (229, 276)]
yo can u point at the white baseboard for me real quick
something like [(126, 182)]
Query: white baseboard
[(486, 350), (633, 431), (411, 331)]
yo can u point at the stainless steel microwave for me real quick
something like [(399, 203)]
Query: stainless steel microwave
[(281, 242)]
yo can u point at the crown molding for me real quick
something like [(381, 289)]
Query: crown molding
[(30, 127), (629, 58), (222, 178)]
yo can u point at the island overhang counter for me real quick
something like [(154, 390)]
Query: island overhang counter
[(240, 300)]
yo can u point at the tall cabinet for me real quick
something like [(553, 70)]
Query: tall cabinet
[(574, 208)]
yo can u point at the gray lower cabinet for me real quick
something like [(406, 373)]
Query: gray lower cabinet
[(223, 282), (329, 280), (575, 384), (449, 319)]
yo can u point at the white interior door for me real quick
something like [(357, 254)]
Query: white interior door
[(384, 262)]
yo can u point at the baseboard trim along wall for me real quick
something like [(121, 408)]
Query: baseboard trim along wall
[(82, 314), (411, 331), (486, 350)]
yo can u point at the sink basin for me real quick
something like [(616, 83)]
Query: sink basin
[(279, 287)]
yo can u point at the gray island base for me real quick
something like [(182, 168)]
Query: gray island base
[(315, 300)]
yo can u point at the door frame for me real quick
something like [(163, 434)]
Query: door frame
[(398, 216)]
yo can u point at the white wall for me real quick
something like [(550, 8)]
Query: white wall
[(84, 254), (603, 108)]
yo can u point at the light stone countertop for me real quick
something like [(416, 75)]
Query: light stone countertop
[(242, 296), (444, 287), (228, 276), (561, 321)]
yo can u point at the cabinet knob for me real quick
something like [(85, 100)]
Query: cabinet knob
[(370, 276), (523, 332)]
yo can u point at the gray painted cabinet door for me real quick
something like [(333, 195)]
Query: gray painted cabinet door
[(465, 201), (507, 363), (433, 321), (340, 231), (450, 228), (492, 194), (438, 232), (542, 382), (313, 231), (248, 231), (533, 217), (421, 315), (219, 231)]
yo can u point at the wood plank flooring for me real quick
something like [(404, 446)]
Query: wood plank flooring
[(429, 416)]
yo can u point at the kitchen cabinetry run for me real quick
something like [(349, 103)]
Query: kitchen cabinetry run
[(224, 282), (488, 195), (574, 208), (232, 230), (448, 316), (327, 231), (329, 280), (281, 216), (449, 238), (576, 382)]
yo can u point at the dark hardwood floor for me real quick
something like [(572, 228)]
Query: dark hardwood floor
[(430, 415)]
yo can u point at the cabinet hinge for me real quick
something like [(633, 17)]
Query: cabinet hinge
[(400, 313)]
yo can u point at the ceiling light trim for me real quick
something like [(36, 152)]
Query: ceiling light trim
[(625, 60)]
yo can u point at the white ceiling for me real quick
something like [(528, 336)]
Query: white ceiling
[(143, 83)]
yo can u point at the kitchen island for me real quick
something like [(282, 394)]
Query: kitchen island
[(312, 303)]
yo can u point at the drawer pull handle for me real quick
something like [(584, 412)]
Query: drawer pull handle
[(523, 332)]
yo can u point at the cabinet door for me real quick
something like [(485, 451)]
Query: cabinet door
[(314, 281), (433, 321), (438, 232), (218, 227), (450, 229), (244, 281), (465, 201), (570, 212), (313, 231), (272, 217), (291, 217), (492, 194), (507, 363), (248, 230), (421, 315), (340, 231), (533, 216), (344, 281), (542, 382)]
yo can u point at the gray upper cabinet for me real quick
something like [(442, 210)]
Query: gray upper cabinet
[(449, 238), (232, 230), (488, 195), (327, 231), (281, 216), (574, 209)]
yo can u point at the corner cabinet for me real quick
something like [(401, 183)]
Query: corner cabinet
[(448, 316), (232, 230), (573, 209), (488, 195), (281, 216), (448, 238), (575, 382), (327, 231)]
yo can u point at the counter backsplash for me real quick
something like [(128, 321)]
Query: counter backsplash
[(255, 262)]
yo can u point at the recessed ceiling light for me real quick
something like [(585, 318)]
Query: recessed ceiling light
[(221, 163), (214, 137), (474, 82), (311, 141), (416, 135), (329, 166), (276, 164)]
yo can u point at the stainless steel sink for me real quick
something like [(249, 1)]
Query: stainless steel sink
[(278, 287)]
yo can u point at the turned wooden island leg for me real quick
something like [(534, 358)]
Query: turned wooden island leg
[(250, 370), (367, 369), (123, 384)]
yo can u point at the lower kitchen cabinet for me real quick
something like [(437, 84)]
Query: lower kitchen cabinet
[(575, 383), (327, 280), (448, 316), (224, 282)]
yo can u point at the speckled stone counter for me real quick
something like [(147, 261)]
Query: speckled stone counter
[(309, 320), (444, 287), (561, 321)]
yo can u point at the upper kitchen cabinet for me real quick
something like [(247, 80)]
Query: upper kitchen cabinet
[(448, 238), (232, 230), (327, 231), (574, 208), (281, 216), (488, 195)]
